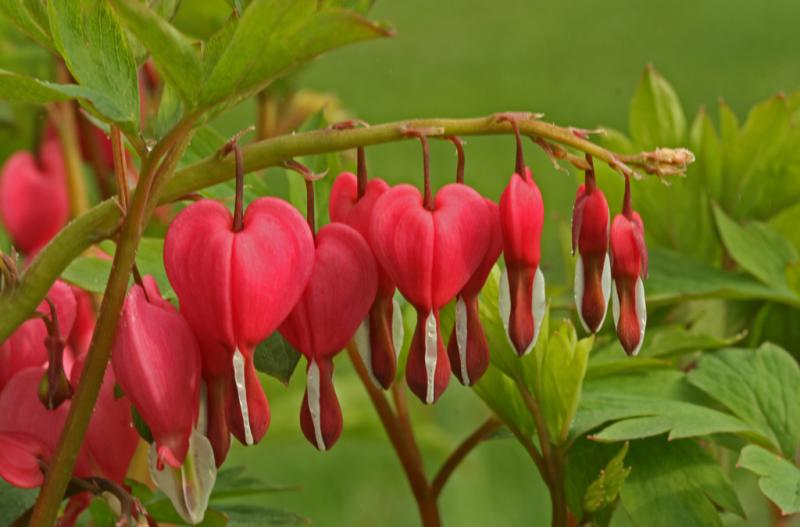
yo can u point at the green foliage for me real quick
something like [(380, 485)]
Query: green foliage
[(675, 483), (656, 116), (276, 357), (14, 502), (761, 387), (30, 16), (89, 37), (603, 491), (779, 479)]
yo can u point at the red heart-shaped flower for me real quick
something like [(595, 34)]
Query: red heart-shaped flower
[(338, 296), (430, 255), (375, 337)]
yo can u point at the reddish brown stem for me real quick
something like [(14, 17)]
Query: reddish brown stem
[(238, 209), (589, 180), (310, 205), (461, 158), (627, 209), (361, 171)]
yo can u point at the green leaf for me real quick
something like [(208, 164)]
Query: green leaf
[(360, 6), (757, 249), (676, 340), (586, 459), (163, 512), (779, 479), (30, 16), (656, 115), (676, 278), (232, 483), (176, 57), (785, 224), (170, 111), (603, 491), (276, 357), (272, 37), (761, 387), (258, 516), (88, 273), (500, 393), (14, 502), (92, 42), (707, 148), (562, 372), (237, 5), (15, 87), (675, 483), (141, 426)]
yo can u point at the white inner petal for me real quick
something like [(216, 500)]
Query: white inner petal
[(578, 291), (362, 342), (461, 338), (189, 487), (241, 390), (538, 306), (313, 391), (615, 302), (431, 355), (641, 312), (605, 283), (398, 330)]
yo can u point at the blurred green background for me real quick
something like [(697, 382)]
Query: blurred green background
[(578, 62)]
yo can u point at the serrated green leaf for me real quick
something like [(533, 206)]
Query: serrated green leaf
[(779, 479), (93, 44), (761, 387), (14, 502), (757, 249), (562, 371), (295, 30), (603, 491), (276, 357), (706, 146), (675, 483), (676, 278), (177, 59), (216, 45), (656, 115), (15, 87)]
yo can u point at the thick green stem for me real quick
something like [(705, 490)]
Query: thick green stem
[(103, 219), (82, 405)]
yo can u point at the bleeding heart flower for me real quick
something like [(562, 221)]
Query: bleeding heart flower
[(379, 336), (521, 220), (468, 349), (25, 184), (338, 296), (430, 253), (590, 227), (19, 459), (628, 268), (111, 424), (26, 346), (81, 335), (235, 286), (156, 360), (21, 412)]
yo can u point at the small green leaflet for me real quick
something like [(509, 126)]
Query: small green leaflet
[(779, 479), (603, 491), (276, 357)]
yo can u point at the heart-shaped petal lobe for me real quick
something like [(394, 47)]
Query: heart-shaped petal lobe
[(19, 459)]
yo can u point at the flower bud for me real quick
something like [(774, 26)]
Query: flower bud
[(590, 228), (156, 360), (430, 254), (25, 184), (521, 221), (628, 269)]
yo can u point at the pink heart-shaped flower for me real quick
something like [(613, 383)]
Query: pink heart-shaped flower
[(25, 185), (338, 296), (430, 255)]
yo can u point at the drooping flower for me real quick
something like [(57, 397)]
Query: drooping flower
[(26, 346), (156, 360), (25, 184), (236, 284), (430, 249), (19, 459), (522, 282), (590, 231), (628, 269), (338, 296), (468, 349), (379, 336)]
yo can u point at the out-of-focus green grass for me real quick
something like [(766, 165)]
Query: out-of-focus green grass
[(578, 62)]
